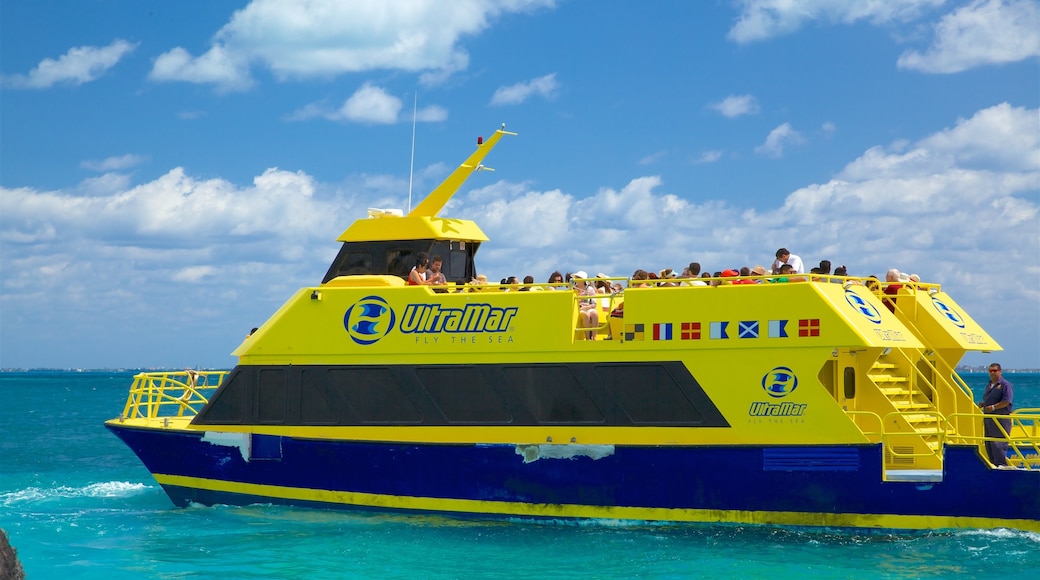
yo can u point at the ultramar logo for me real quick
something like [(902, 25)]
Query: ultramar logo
[(473, 318), (777, 383), (372, 318)]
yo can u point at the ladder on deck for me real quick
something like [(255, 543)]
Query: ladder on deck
[(912, 405)]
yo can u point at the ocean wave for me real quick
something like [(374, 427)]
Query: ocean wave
[(103, 490), (1004, 533)]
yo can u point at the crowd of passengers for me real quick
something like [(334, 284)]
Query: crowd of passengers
[(787, 267)]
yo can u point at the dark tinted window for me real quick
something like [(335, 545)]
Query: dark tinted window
[(400, 262), (648, 394), (553, 395), (356, 263), (457, 266), (463, 395), (271, 396), (228, 403), (314, 407), (373, 393)]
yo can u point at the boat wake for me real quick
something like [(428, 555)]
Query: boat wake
[(107, 489)]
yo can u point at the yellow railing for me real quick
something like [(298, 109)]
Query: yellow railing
[(170, 394), (1023, 439)]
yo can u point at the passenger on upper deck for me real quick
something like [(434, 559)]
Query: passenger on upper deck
[(785, 257), (417, 277), (588, 316), (892, 277), (745, 272), (785, 271), (556, 278), (695, 272), (840, 271), (758, 270), (434, 276), (479, 283)]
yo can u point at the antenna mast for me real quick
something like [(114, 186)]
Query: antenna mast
[(411, 167)]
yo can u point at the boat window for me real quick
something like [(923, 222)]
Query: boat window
[(850, 382), (228, 403), (648, 394), (399, 262), (373, 393), (356, 264), (463, 395), (457, 266), (314, 406), (271, 396), (553, 394)]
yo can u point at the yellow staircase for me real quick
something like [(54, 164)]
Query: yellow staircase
[(920, 429)]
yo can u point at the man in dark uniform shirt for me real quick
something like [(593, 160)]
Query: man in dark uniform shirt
[(997, 400)]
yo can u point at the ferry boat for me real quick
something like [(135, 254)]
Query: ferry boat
[(805, 403)]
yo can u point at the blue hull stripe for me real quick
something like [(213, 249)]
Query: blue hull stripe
[(684, 483)]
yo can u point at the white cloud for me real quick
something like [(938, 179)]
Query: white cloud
[(736, 105), (219, 66), (709, 156), (763, 19), (318, 38), (545, 87), (982, 33), (994, 139), (194, 273), (653, 158), (114, 163), (778, 139), (77, 66), (370, 104)]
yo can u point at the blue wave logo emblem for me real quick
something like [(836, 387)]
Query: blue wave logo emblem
[(859, 304), (369, 320), (779, 382), (948, 312)]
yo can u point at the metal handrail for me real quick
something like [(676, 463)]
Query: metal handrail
[(170, 394), (1023, 439), (941, 425)]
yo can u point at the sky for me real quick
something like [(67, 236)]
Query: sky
[(171, 172)]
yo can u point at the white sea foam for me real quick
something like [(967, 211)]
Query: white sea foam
[(1004, 533), (103, 489)]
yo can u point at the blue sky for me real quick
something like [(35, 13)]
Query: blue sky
[(170, 172)]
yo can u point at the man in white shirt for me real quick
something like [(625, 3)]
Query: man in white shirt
[(785, 257)]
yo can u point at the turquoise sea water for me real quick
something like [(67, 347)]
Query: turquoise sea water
[(76, 503)]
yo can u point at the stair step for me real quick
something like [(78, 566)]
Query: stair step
[(884, 378), (927, 431), (912, 405), (881, 365), (933, 445), (921, 418), (895, 391)]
